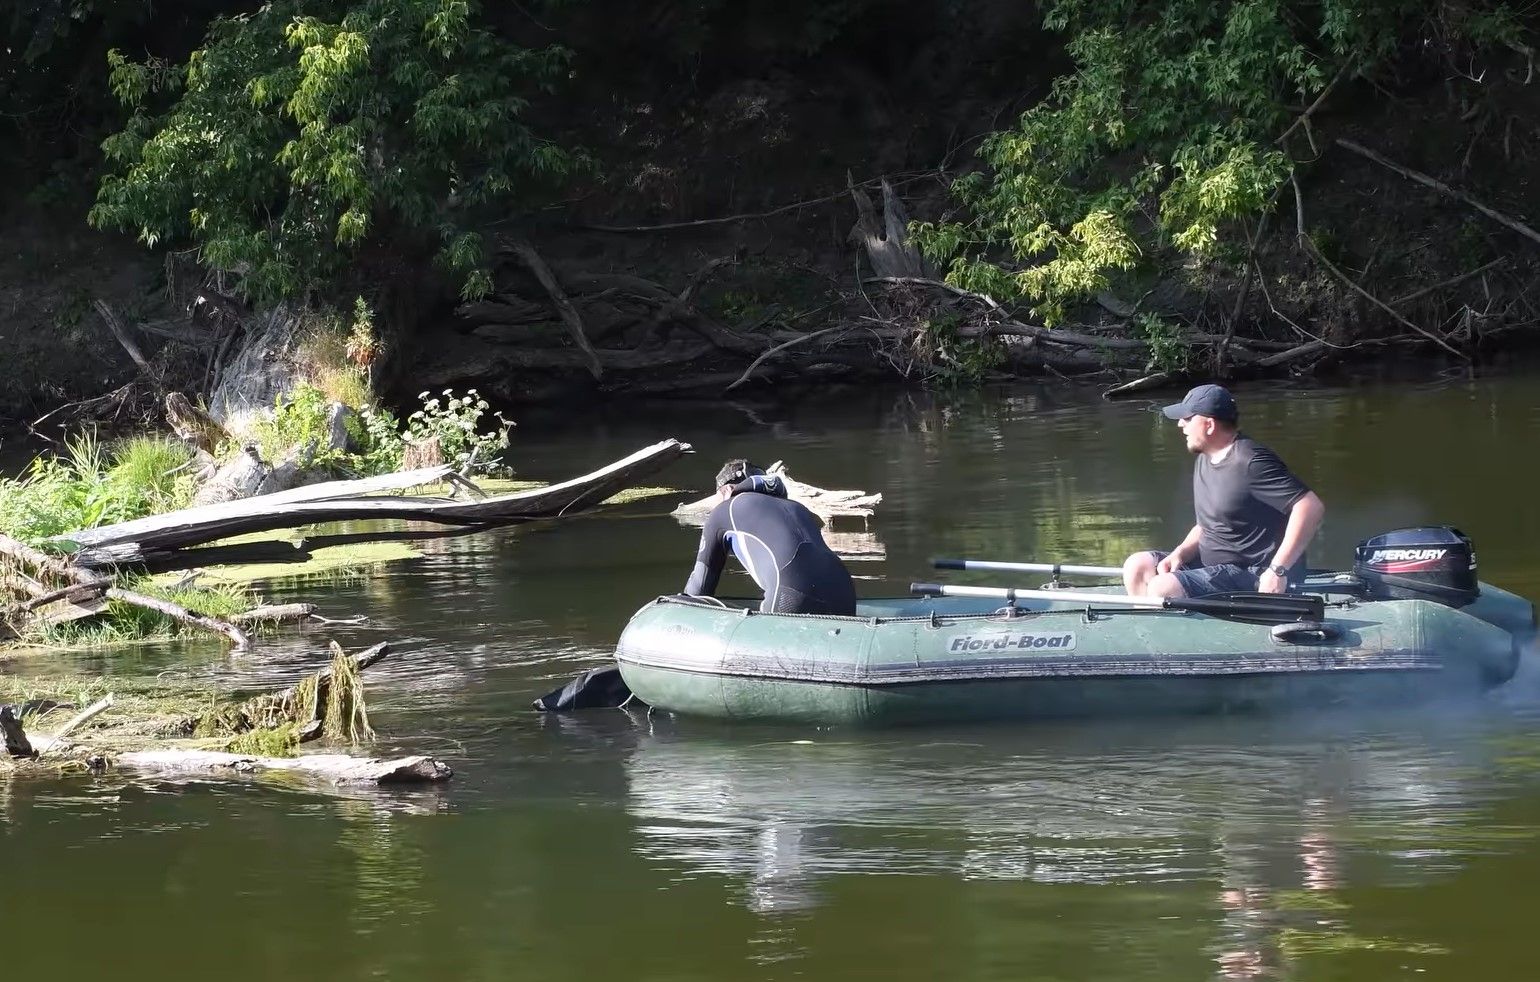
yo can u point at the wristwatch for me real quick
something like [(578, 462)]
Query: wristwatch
[(1282, 571)]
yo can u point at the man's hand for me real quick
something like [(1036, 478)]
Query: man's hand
[(1270, 582), (1170, 564)]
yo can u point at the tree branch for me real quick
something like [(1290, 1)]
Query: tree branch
[(569, 314), (1441, 188)]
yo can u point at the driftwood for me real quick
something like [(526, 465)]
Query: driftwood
[(321, 503), (45, 606), (46, 744), (823, 503), (63, 570), (274, 614), (337, 768)]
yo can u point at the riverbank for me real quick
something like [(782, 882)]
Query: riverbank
[(708, 253)]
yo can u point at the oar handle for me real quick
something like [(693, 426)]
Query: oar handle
[(1051, 568)]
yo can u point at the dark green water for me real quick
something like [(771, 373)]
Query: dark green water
[(612, 845)]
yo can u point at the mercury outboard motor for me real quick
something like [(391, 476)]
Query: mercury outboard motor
[(1435, 563)]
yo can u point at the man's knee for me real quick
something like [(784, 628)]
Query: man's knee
[(1165, 585), (1140, 564), (1137, 571)]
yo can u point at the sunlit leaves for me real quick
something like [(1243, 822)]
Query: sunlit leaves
[(306, 126), (1163, 135)]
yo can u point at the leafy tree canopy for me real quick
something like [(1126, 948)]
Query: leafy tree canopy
[(297, 133), (1167, 130)]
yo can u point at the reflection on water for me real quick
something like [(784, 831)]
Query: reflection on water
[(1275, 819), (1364, 847)]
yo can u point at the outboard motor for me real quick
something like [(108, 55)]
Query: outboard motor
[(1435, 563)]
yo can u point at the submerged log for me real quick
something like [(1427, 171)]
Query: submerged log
[(322, 503), (337, 768)]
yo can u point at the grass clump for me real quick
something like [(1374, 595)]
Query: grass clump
[(92, 484), (277, 741)]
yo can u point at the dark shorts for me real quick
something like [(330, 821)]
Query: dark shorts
[(1201, 581)]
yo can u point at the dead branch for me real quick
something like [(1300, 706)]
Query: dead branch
[(1051, 334), (1155, 380), (182, 614), (50, 743), (1309, 247), (1442, 284), (1441, 188), (1351, 284), (751, 216), (1304, 118), (118, 331), (569, 314), (63, 570), (779, 348)]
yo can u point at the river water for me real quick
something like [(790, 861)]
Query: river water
[(609, 844)]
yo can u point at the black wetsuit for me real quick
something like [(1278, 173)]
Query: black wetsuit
[(781, 545)]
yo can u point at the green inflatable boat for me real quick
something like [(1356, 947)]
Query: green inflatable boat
[(1371, 637)]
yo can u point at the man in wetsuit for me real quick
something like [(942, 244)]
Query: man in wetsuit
[(779, 542), (1254, 517)]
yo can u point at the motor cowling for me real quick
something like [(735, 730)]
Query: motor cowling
[(1432, 563)]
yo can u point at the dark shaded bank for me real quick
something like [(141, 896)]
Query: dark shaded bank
[(717, 248)]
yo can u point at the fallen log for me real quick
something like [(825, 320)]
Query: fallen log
[(63, 570), (317, 504), (337, 768), (274, 614)]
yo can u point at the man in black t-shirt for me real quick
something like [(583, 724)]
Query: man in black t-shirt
[(779, 542), (1254, 516)]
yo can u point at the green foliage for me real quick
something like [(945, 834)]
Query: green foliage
[(1165, 133), (954, 360), (1169, 351), (455, 421), (90, 485), (298, 421), (299, 132)]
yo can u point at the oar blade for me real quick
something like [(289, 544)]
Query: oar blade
[(1255, 608)]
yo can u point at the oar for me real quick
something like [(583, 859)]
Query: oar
[(1253, 608), (1054, 568)]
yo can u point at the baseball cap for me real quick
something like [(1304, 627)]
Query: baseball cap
[(1205, 400)]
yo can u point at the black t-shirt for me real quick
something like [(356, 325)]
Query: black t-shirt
[(1242, 504)]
